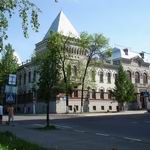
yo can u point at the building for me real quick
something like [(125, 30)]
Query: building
[(98, 98)]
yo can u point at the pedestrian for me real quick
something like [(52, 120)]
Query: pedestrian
[(1, 113), (10, 110)]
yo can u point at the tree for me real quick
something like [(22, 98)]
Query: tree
[(28, 12), (124, 90), (8, 64), (95, 46), (61, 44), (49, 72)]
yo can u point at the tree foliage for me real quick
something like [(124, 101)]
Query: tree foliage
[(49, 73), (95, 46), (28, 12), (8, 64), (124, 90)]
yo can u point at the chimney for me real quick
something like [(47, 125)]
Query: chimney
[(142, 55), (125, 51)]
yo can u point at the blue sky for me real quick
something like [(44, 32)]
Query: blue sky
[(124, 22)]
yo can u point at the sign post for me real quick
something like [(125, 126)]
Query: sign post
[(11, 89)]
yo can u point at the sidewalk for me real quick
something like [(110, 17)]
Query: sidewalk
[(71, 115)]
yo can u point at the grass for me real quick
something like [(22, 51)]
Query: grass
[(8, 141)]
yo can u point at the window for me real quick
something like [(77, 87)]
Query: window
[(75, 93), (93, 94), (109, 77), (102, 107), (29, 76), (110, 107), (70, 107), (76, 107), (34, 75), (109, 94), (129, 75), (20, 77), (101, 77), (102, 94), (24, 78), (145, 81), (75, 71), (94, 107), (137, 77), (116, 76), (93, 76)]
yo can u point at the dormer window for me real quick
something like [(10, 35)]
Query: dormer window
[(142, 55), (126, 51)]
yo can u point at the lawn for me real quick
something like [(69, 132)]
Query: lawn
[(8, 141)]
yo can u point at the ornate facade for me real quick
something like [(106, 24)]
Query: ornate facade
[(100, 79)]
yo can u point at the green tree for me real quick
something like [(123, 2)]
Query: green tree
[(95, 46), (61, 44), (49, 72), (8, 65), (28, 12), (124, 90)]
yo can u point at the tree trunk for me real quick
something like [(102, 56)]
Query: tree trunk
[(82, 84), (47, 110)]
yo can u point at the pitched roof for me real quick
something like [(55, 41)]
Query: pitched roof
[(62, 25), (119, 53)]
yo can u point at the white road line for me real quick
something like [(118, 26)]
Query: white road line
[(102, 134), (81, 131), (134, 122), (132, 139), (64, 126)]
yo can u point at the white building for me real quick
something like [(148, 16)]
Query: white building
[(100, 98)]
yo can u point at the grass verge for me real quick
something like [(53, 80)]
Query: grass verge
[(8, 141)]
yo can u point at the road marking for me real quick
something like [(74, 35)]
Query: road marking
[(81, 131), (133, 139), (102, 134), (64, 126), (134, 122)]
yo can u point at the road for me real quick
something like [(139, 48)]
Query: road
[(127, 132)]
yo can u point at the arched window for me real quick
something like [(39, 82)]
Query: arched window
[(101, 77), (75, 70), (116, 76), (101, 94), (93, 76), (109, 77), (24, 78), (69, 71), (137, 77), (109, 94), (93, 94), (145, 81), (77, 51), (129, 74), (75, 93)]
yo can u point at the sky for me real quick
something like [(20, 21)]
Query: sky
[(126, 23)]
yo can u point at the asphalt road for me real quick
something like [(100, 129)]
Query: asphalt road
[(127, 132)]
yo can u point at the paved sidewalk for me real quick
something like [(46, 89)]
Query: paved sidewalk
[(71, 115)]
